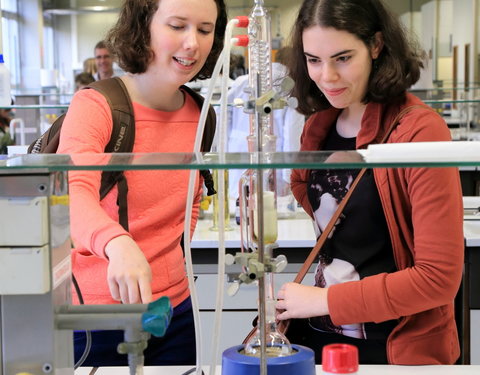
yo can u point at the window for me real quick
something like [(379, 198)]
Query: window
[(10, 39), (48, 39)]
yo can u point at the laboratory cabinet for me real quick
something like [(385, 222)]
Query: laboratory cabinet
[(244, 301)]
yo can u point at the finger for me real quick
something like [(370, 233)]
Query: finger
[(114, 291), (145, 291), (133, 292), (281, 305), (123, 292), (283, 316), (281, 294)]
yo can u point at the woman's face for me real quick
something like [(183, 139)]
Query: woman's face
[(339, 63), (182, 33)]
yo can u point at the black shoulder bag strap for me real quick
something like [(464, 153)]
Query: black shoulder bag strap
[(121, 140)]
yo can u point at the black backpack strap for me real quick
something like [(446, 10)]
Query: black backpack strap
[(207, 139), (122, 139)]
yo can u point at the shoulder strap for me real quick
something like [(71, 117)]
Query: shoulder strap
[(121, 140), (207, 139), (123, 131)]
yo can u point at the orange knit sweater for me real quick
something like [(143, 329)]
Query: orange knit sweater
[(156, 198)]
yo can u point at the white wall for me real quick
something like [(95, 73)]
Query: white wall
[(64, 46), (92, 28), (464, 22), (445, 26), (428, 41), (31, 42)]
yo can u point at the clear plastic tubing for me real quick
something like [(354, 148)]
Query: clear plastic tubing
[(188, 213), (222, 142)]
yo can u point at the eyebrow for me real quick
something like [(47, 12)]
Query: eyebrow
[(333, 56)]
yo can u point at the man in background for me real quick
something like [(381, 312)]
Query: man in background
[(103, 61)]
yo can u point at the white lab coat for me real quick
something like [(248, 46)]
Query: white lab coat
[(288, 126)]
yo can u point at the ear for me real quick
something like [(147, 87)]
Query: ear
[(377, 45)]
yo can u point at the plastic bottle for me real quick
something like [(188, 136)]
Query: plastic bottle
[(339, 359), (5, 88)]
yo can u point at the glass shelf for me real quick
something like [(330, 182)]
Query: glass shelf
[(38, 106), (216, 104), (175, 161)]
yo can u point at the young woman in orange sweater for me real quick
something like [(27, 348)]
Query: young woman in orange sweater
[(162, 44)]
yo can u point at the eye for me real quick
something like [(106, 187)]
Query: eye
[(312, 60), (344, 58), (175, 27), (205, 31)]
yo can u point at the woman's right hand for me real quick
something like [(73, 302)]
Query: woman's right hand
[(129, 275)]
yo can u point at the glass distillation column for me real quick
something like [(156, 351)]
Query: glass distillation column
[(257, 188)]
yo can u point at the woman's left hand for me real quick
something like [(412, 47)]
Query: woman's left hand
[(301, 301)]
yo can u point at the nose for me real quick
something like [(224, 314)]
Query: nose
[(329, 73), (191, 40)]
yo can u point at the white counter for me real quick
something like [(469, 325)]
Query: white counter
[(291, 233), (299, 232), (471, 223), (364, 370)]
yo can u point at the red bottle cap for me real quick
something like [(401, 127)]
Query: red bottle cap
[(340, 359), (242, 21)]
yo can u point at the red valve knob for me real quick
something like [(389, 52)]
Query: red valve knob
[(242, 21), (240, 40)]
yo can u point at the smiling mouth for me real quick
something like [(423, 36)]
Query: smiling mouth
[(334, 92), (184, 62)]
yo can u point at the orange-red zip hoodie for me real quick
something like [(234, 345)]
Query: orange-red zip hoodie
[(423, 209)]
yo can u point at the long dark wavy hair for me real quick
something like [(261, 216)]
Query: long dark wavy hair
[(129, 39), (394, 71)]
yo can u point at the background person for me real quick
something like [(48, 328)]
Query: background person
[(89, 66), (5, 136), (103, 61), (162, 44), (387, 277), (83, 79)]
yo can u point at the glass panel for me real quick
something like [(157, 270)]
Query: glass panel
[(420, 155)]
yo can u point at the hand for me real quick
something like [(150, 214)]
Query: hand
[(301, 301), (344, 157), (129, 274)]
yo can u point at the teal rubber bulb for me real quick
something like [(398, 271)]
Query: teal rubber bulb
[(157, 317)]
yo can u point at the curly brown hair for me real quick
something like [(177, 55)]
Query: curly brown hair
[(394, 71), (129, 38)]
